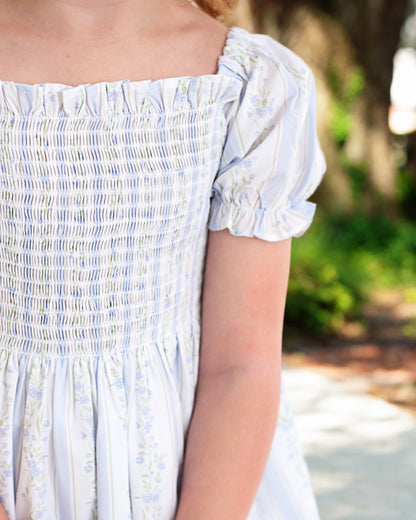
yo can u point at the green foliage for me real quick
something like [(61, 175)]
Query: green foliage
[(341, 123), (337, 263), (358, 173), (317, 300), (354, 87), (406, 192), (344, 94), (409, 329)]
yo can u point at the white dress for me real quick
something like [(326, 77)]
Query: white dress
[(107, 192)]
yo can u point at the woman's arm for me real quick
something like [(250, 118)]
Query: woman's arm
[(3, 515), (238, 392)]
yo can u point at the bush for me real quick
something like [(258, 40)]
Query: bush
[(337, 264)]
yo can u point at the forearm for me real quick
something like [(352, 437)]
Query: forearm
[(229, 439), (3, 515)]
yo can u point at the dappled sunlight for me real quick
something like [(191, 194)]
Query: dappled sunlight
[(356, 447)]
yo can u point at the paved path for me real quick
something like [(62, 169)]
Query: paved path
[(361, 450)]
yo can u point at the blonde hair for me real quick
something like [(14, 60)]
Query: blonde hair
[(217, 8)]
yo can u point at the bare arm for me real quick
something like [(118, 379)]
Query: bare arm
[(3, 515), (238, 393)]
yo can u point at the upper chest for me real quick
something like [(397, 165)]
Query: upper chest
[(31, 59)]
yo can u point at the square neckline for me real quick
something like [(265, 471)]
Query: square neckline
[(135, 83)]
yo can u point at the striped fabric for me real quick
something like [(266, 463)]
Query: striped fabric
[(107, 192)]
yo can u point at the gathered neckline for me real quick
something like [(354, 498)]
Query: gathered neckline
[(135, 83), (145, 98)]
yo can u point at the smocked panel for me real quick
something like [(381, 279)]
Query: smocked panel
[(97, 214)]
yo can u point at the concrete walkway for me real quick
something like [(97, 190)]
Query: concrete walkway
[(361, 450)]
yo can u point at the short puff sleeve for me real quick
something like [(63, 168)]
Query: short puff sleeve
[(271, 161)]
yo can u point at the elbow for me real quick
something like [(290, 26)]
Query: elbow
[(260, 382), (246, 360)]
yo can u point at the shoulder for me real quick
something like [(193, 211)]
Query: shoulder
[(195, 38), (274, 83), (255, 56)]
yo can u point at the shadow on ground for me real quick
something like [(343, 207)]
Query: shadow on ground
[(359, 448)]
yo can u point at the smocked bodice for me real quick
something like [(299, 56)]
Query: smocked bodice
[(105, 193)]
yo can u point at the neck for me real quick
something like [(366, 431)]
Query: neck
[(89, 20)]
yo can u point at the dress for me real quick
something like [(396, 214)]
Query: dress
[(107, 194)]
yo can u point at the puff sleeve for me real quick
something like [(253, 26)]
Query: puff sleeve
[(271, 161)]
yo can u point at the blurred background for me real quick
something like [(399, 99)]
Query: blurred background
[(351, 307)]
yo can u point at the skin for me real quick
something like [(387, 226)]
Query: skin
[(238, 393), (88, 41)]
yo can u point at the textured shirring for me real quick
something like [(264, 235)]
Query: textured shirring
[(84, 221)]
